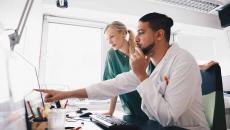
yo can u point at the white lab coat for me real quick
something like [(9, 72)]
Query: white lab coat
[(179, 103)]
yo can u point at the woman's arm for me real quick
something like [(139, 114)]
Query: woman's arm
[(112, 106)]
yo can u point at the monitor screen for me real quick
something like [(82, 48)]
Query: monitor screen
[(22, 76), (226, 83)]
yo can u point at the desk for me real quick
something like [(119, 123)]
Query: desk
[(142, 124)]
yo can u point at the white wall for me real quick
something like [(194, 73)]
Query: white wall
[(10, 13)]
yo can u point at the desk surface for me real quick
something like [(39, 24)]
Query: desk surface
[(142, 124)]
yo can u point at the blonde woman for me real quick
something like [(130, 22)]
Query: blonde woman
[(117, 62)]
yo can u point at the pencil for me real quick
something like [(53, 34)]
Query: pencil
[(31, 110), (66, 103)]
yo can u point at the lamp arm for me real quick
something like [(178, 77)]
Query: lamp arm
[(16, 35)]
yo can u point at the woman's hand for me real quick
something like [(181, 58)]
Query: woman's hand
[(207, 65), (108, 113), (53, 95)]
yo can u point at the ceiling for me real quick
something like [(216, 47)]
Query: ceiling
[(205, 6)]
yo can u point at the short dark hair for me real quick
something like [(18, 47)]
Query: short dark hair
[(159, 21)]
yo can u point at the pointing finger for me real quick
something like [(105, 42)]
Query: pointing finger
[(49, 98), (43, 90)]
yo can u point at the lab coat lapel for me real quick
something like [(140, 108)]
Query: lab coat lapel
[(169, 54)]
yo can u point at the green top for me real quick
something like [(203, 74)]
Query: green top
[(116, 63)]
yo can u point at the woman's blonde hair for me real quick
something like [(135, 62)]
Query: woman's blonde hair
[(120, 27)]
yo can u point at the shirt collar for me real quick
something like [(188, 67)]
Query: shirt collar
[(171, 51)]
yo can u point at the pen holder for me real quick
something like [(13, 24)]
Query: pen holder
[(39, 124)]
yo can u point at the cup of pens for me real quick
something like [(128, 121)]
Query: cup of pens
[(35, 111), (35, 106), (56, 119)]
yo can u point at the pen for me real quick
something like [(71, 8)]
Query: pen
[(39, 112), (66, 103), (31, 110), (58, 104), (78, 128), (69, 127)]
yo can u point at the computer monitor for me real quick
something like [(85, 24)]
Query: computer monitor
[(226, 83)]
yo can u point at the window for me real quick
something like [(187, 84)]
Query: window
[(72, 52), (196, 44)]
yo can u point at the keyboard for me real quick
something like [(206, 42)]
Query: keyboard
[(108, 121)]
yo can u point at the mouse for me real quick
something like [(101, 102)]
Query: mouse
[(86, 114)]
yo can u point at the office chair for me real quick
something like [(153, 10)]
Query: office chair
[(213, 100)]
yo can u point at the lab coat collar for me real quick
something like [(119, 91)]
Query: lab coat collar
[(169, 54)]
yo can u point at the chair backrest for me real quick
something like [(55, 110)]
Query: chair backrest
[(213, 100)]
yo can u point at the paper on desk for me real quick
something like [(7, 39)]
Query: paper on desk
[(86, 125), (73, 124)]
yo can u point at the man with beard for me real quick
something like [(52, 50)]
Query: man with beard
[(171, 94)]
